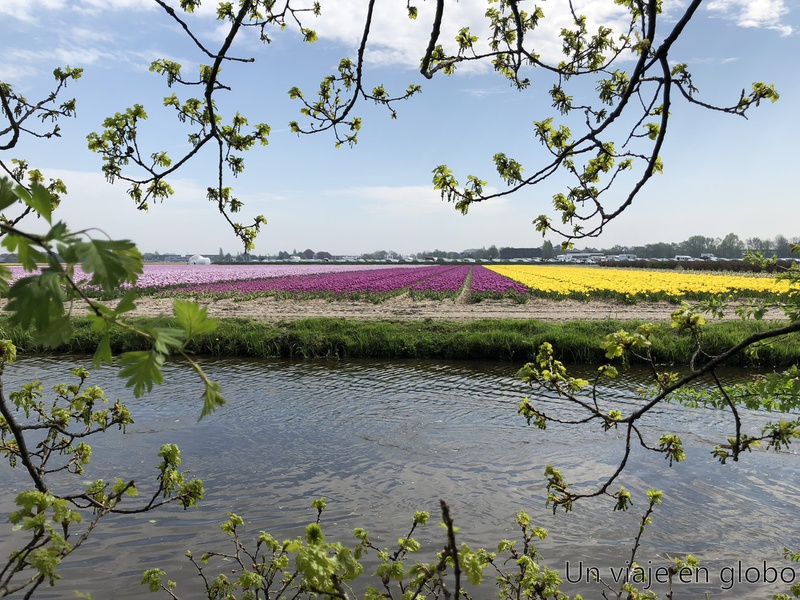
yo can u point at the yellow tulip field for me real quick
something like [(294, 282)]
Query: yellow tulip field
[(584, 282)]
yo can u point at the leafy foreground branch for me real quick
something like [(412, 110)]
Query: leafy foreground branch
[(49, 439), (775, 392), (312, 567)]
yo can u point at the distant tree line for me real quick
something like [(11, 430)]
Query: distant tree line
[(490, 253), (720, 264), (731, 246)]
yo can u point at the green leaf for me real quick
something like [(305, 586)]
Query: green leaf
[(38, 199), (5, 278), (127, 303), (471, 564), (37, 303), (143, 369), (152, 579), (111, 262), (103, 353), (27, 255), (8, 196), (166, 339), (60, 232), (193, 319), (212, 398)]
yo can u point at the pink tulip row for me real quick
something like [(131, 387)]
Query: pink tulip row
[(165, 276), (160, 276)]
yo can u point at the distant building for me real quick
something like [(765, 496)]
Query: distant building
[(581, 257), (509, 253)]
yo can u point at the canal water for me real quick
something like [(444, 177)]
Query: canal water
[(380, 440)]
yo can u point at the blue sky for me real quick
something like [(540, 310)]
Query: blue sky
[(722, 173)]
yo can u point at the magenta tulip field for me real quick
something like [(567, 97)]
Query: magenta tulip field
[(373, 283)]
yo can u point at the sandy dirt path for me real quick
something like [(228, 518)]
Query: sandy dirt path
[(403, 308), (272, 310)]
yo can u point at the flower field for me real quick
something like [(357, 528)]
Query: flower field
[(487, 283), (435, 282), (443, 284), (159, 277), (633, 285), (376, 283), (371, 283)]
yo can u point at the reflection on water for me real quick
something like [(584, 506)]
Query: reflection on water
[(382, 439)]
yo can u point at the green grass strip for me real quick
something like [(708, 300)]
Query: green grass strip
[(489, 339)]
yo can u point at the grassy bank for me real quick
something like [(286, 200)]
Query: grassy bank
[(495, 339)]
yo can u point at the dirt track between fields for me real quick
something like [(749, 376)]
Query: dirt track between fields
[(403, 308)]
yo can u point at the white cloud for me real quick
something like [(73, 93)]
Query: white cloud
[(85, 34), (186, 222), (73, 36), (97, 6), (404, 218), (486, 92), (15, 72), (423, 200), (29, 10), (37, 10), (767, 14), (397, 201), (395, 39), (77, 56), (27, 60)]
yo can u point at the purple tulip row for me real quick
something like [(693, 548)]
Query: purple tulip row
[(487, 283), (447, 282), (369, 282)]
